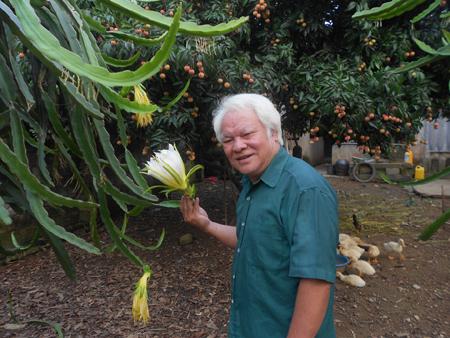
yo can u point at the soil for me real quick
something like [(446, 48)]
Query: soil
[(189, 292)]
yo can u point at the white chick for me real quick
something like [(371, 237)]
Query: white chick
[(363, 267), (395, 248), (352, 280)]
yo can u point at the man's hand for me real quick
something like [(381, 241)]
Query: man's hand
[(194, 214), (197, 216)]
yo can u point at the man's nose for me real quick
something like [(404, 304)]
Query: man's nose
[(238, 144)]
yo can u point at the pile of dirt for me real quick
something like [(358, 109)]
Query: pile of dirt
[(189, 291)]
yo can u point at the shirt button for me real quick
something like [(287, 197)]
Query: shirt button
[(248, 198), (238, 249), (234, 276), (243, 223), (232, 301)]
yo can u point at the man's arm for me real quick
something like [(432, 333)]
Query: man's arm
[(310, 307), (197, 216)]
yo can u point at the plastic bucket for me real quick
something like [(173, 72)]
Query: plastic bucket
[(419, 173)]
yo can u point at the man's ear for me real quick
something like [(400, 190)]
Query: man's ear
[(274, 135)]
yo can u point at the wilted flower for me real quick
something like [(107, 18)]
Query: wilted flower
[(191, 155), (140, 96), (167, 166), (140, 304)]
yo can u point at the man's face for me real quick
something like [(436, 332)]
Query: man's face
[(246, 143)]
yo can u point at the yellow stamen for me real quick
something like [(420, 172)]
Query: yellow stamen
[(140, 96), (140, 304)]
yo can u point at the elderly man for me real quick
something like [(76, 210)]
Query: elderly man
[(286, 233)]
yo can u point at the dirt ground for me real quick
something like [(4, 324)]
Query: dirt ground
[(189, 292)]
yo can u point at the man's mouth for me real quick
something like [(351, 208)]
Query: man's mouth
[(243, 158)]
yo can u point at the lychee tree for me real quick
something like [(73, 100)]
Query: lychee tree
[(394, 9), (331, 76)]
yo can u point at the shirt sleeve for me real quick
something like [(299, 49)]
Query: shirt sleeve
[(312, 230)]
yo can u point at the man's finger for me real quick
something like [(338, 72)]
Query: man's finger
[(197, 203)]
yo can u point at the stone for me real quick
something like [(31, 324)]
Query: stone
[(185, 239), (12, 326)]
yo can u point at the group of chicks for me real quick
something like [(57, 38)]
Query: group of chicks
[(354, 248)]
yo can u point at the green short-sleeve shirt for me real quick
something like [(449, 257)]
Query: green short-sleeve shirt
[(287, 229)]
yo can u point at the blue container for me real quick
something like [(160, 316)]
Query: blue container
[(341, 261)]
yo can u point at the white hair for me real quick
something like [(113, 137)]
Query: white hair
[(260, 105)]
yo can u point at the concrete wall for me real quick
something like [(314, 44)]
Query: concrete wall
[(347, 150), (344, 152), (433, 153), (313, 153)]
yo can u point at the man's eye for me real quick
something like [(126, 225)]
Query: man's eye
[(227, 141)]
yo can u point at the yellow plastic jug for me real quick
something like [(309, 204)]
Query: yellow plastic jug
[(419, 173), (409, 156)]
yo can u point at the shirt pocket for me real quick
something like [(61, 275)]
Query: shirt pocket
[(268, 248)]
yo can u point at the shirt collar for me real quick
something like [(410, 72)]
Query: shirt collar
[(272, 173)]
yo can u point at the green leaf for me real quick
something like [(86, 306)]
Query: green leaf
[(4, 214), (427, 11), (444, 51), (17, 72), (7, 85), (136, 211), (41, 156), (32, 183), (93, 24), (113, 231), (121, 63), (74, 168), (388, 10), (49, 45), (55, 120), (11, 20), (376, 11), (65, 21), (418, 63), (433, 227), (189, 28), (22, 247), (93, 228), (132, 164), (446, 34), (144, 247), (121, 196), (137, 40), (135, 170), (85, 144), (169, 204), (125, 104), (115, 164), (193, 170), (121, 127), (15, 192), (88, 106), (61, 254), (41, 215), (177, 98), (18, 137), (423, 46)]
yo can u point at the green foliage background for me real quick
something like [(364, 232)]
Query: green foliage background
[(67, 124), (308, 58)]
